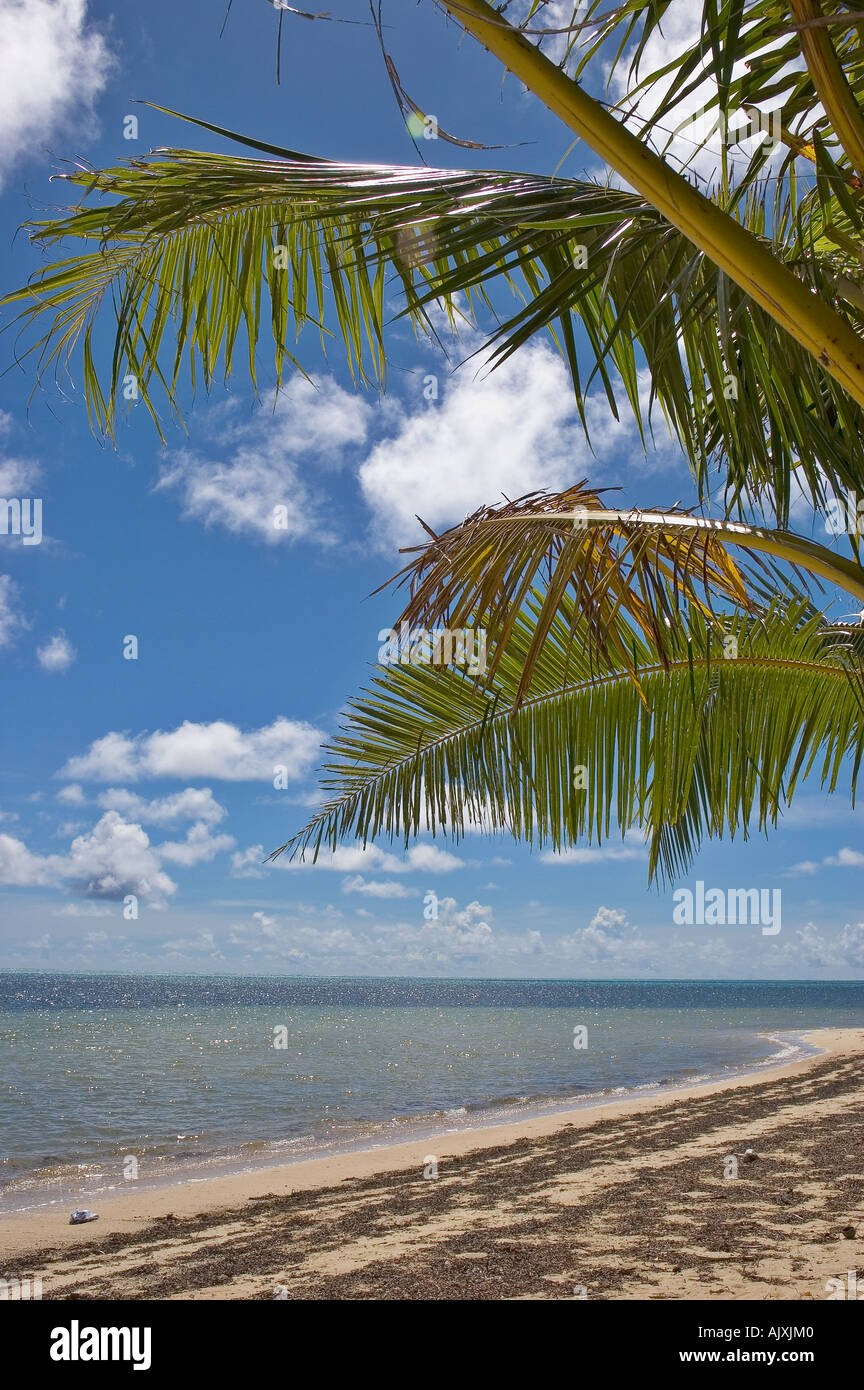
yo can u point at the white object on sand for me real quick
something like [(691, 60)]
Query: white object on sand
[(80, 1215)]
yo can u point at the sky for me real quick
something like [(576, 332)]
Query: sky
[(163, 649)]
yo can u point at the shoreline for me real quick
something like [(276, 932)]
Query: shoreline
[(432, 1129), (127, 1212)]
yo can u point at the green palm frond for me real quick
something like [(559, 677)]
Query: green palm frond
[(752, 50), (730, 726), (802, 61), (182, 252)]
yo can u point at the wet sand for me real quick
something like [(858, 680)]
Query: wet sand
[(620, 1201)]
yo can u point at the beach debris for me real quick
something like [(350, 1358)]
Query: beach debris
[(81, 1215)]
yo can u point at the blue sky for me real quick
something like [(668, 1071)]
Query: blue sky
[(154, 777)]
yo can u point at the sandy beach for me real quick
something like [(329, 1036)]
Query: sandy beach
[(630, 1200)]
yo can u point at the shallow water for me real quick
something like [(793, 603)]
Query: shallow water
[(181, 1074)]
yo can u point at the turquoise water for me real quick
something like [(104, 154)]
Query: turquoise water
[(182, 1074)]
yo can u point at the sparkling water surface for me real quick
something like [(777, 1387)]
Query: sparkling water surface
[(182, 1075)]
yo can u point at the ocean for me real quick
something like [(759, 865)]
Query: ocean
[(105, 1079)]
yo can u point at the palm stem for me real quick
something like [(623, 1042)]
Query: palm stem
[(782, 545), (830, 82), (736, 251)]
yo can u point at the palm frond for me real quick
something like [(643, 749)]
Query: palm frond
[(809, 319), (186, 261), (626, 571), (730, 725)]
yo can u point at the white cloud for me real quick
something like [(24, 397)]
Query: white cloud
[(507, 431), (114, 860), (608, 935), (633, 847), (249, 863), (53, 64), (693, 142), (260, 474), (219, 750), (811, 947), (10, 617), (554, 14), (21, 869), (110, 758), (465, 929), (350, 859), (200, 846), (458, 936), (72, 795), (83, 910), (193, 803), (17, 476), (376, 888), (67, 828), (202, 944), (844, 859), (57, 654)]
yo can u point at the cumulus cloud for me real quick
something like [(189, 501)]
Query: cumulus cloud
[(57, 654), (53, 64), (110, 758), (200, 846), (460, 936), (352, 858), (219, 750), (255, 487), (510, 431), (844, 859), (193, 803), (810, 946), (466, 929), (609, 935), (21, 869), (376, 888), (114, 860)]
